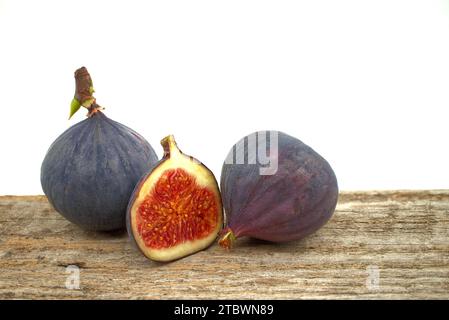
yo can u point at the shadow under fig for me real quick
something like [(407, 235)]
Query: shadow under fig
[(252, 243)]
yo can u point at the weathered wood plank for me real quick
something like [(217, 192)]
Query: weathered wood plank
[(403, 236)]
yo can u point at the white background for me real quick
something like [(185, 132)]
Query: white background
[(365, 83)]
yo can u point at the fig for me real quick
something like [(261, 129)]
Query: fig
[(176, 208), (275, 188), (89, 172)]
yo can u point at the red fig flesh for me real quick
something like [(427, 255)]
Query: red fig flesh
[(176, 209)]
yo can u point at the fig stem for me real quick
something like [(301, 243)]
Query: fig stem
[(84, 94), (170, 146), (227, 241)]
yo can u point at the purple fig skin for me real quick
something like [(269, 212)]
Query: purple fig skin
[(292, 203), (89, 172)]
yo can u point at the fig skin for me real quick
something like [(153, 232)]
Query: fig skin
[(292, 203), (90, 171)]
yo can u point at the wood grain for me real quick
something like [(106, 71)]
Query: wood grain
[(402, 236)]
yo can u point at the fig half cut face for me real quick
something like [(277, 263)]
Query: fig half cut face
[(176, 208)]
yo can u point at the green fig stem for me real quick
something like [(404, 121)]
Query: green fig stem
[(84, 94), (227, 241)]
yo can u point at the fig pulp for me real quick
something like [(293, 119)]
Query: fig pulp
[(292, 200), (176, 208), (90, 170)]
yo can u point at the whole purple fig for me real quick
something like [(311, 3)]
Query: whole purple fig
[(275, 188), (90, 170)]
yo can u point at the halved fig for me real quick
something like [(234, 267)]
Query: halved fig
[(176, 208)]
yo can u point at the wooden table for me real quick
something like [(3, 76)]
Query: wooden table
[(392, 244)]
